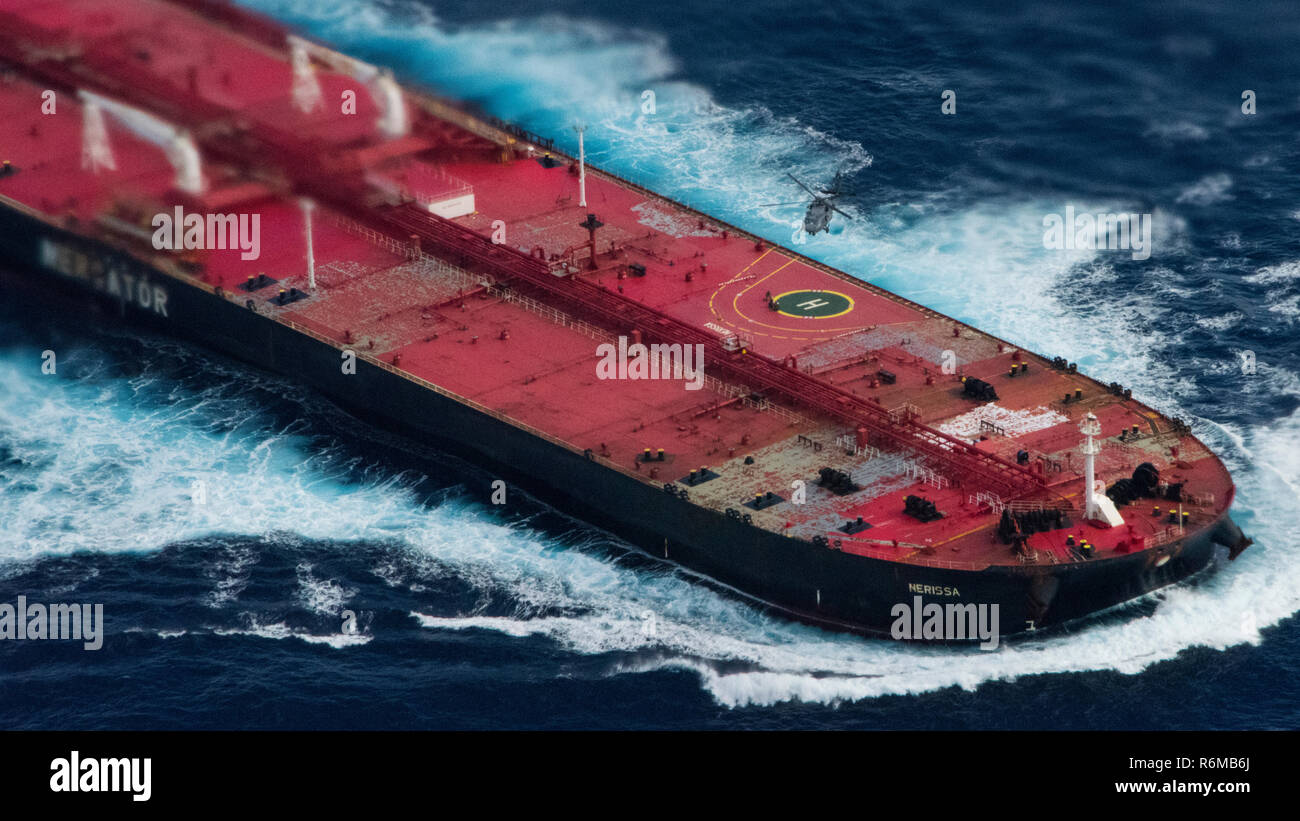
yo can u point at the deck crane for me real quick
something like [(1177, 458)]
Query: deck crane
[(393, 120), (97, 153)]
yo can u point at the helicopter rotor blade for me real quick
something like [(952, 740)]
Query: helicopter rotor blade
[(801, 185), (841, 213), (770, 204)]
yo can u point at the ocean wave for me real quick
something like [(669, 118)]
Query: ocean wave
[(1207, 191), (1288, 307), (1273, 274), (326, 597), (278, 631), (1177, 132)]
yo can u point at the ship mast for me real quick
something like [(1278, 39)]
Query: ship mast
[(1096, 506), (582, 168), (1089, 427), (307, 206)]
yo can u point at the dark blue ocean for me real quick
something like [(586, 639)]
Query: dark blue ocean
[(227, 519)]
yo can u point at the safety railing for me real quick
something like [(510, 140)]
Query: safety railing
[(1172, 533), (400, 249), (985, 497), (547, 312), (849, 443), (927, 475)]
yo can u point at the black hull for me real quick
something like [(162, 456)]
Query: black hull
[(813, 584)]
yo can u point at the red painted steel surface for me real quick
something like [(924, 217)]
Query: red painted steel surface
[(526, 346)]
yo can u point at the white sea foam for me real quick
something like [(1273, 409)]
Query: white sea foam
[(230, 574), (1177, 132), (324, 596), (1208, 190), (1288, 307), (274, 631), (109, 472), (1274, 274), (279, 631), (1222, 322), (162, 634)]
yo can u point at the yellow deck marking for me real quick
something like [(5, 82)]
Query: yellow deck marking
[(718, 290), (967, 533), (755, 262), (794, 334), (820, 333), (745, 290)]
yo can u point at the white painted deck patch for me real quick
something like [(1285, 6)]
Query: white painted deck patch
[(1014, 422), (676, 225)]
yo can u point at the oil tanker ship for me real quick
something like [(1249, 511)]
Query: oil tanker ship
[(804, 438)]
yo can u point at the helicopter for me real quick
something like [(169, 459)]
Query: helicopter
[(818, 216)]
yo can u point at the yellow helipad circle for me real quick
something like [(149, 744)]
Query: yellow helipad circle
[(819, 304)]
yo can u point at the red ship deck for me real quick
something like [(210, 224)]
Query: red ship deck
[(531, 360)]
